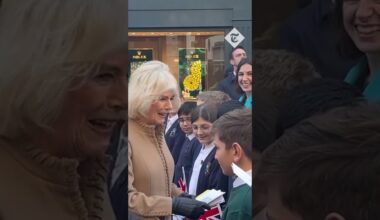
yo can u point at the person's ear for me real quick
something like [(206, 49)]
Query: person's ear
[(232, 62), (237, 152), (334, 216)]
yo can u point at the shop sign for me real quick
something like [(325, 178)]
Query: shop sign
[(234, 37), (138, 57)]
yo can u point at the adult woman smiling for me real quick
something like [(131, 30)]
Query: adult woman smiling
[(63, 85), (244, 82), (359, 21), (152, 93)]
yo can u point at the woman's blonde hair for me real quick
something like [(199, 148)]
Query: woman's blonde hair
[(146, 84), (46, 46)]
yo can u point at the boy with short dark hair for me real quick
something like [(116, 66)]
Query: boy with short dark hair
[(233, 142), (189, 146), (327, 167)]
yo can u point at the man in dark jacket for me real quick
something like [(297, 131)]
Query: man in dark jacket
[(227, 85)]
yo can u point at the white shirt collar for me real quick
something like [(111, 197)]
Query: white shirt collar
[(170, 122), (173, 118), (191, 136), (206, 146), (238, 182)]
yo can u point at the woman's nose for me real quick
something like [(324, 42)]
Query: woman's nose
[(199, 131), (365, 9), (169, 105)]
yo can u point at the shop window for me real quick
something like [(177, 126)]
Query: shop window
[(196, 58)]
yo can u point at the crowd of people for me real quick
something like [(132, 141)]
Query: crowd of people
[(172, 152)]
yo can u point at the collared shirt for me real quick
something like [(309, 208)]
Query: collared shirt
[(248, 101), (357, 77), (191, 136), (205, 151), (238, 182), (170, 122)]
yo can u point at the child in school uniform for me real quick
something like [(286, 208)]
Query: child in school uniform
[(189, 147), (174, 136), (233, 142), (206, 172)]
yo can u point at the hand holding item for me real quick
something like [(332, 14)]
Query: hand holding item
[(190, 208), (187, 195)]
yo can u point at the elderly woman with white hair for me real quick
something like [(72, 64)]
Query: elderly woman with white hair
[(63, 87), (152, 93)]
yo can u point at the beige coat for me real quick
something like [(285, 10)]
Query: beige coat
[(38, 186), (150, 172)]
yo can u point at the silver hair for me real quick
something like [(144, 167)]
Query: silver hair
[(145, 86), (48, 48)]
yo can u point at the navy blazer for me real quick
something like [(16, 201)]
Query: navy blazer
[(175, 138), (188, 154), (211, 175), (227, 85)]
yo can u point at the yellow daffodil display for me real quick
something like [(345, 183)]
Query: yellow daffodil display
[(193, 81)]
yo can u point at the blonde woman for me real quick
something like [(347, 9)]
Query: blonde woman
[(152, 94), (63, 86)]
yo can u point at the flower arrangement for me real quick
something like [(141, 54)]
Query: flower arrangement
[(193, 81)]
